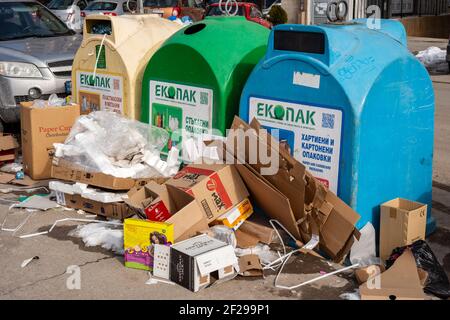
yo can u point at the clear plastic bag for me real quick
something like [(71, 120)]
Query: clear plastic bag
[(107, 142), (224, 234)]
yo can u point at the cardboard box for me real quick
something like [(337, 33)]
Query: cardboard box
[(192, 261), (116, 210), (292, 195), (400, 282), (65, 170), (41, 128), (140, 238), (253, 231), (235, 217), (8, 147), (402, 222), (217, 187), (186, 215)]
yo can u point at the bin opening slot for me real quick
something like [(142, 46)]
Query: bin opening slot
[(99, 27), (299, 41)]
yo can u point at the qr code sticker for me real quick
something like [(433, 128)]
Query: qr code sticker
[(328, 120), (203, 97)]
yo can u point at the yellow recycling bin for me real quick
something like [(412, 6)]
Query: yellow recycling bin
[(108, 67)]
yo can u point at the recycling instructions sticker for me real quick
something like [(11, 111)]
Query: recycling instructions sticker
[(175, 106), (311, 134), (104, 92)]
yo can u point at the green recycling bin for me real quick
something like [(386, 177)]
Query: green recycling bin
[(195, 79)]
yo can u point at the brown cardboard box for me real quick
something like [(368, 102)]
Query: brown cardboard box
[(364, 273), (400, 282), (402, 222), (187, 216), (216, 187), (41, 128), (116, 210), (8, 147), (294, 197), (65, 170)]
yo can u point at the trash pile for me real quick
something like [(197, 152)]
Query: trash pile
[(433, 58), (195, 224)]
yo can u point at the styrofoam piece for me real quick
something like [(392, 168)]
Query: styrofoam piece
[(87, 192), (172, 157)]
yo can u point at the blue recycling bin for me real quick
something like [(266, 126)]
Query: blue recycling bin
[(354, 106)]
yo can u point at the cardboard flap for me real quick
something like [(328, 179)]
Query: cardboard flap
[(400, 282), (8, 142), (271, 201), (216, 259)]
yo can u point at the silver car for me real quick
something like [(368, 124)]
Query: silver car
[(69, 11), (36, 55), (110, 7)]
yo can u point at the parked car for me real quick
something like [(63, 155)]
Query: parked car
[(249, 10), (109, 7), (179, 8), (36, 55), (448, 54), (69, 11)]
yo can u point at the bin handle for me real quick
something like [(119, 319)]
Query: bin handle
[(318, 65)]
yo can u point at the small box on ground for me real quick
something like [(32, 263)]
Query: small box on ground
[(40, 129), (216, 187), (185, 213), (193, 261), (402, 222), (140, 238), (65, 170)]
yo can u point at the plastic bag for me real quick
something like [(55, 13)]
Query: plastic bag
[(107, 142), (224, 234), (363, 250), (437, 282)]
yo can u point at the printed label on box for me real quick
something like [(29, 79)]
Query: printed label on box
[(311, 134)]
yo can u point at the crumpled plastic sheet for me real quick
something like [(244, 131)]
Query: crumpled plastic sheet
[(107, 142), (100, 234), (431, 56)]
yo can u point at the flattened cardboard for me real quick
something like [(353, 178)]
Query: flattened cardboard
[(8, 147), (294, 197), (41, 128), (217, 188), (193, 260), (186, 215), (65, 170), (6, 177), (8, 142), (116, 210), (400, 282), (402, 222)]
